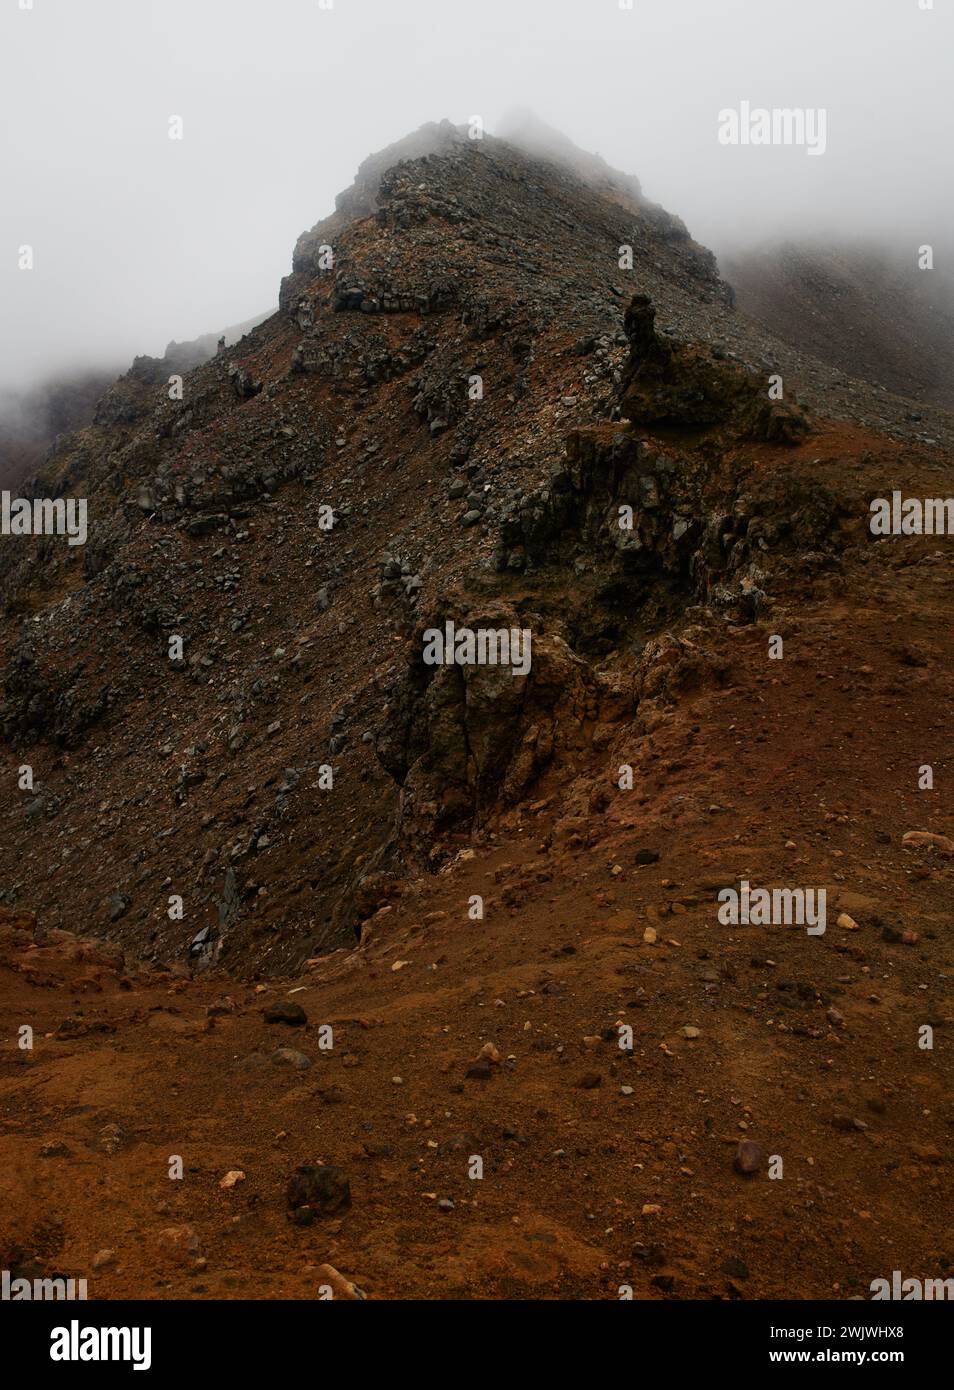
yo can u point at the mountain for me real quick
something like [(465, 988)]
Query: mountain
[(469, 418), (480, 261)]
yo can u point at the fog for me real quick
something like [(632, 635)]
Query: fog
[(138, 238)]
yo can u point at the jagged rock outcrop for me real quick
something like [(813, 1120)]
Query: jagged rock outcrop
[(464, 742), (678, 385), (646, 511)]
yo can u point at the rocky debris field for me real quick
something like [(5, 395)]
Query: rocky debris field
[(365, 934)]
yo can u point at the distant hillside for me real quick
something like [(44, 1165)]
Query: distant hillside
[(861, 308), (31, 420)]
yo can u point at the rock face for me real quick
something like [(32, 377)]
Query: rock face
[(466, 741)]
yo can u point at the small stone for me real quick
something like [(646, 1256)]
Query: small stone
[(288, 1057), (110, 1138), (293, 1015), (118, 906), (232, 1177), (490, 1052), (180, 1242), (847, 1124), (916, 839), (102, 1258), (748, 1157), (847, 923), (319, 1188), (220, 1007), (689, 1031), (649, 936), (651, 1209), (626, 1090), (445, 1204), (340, 1286)]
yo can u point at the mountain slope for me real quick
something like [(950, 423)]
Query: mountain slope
[(447, 422)]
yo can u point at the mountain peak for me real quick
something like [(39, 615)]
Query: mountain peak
[(529, 132)]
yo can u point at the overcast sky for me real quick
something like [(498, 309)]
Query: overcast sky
[(138, 238)]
